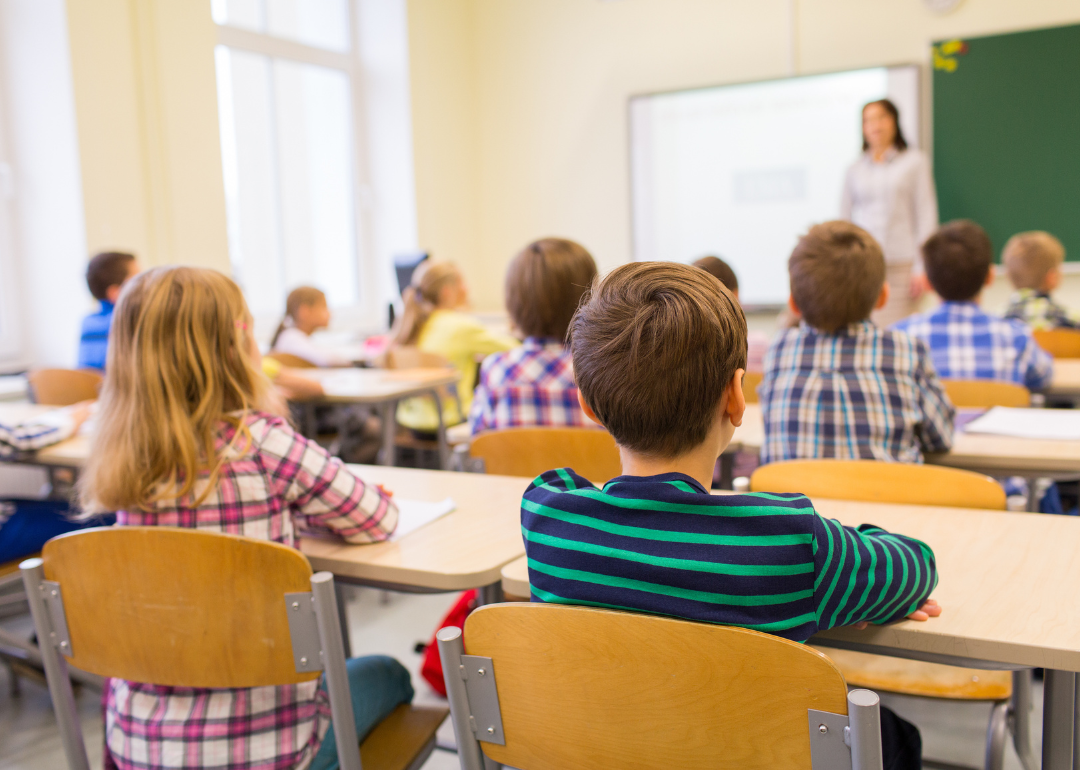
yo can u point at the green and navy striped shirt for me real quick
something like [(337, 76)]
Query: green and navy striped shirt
[(663, 544)]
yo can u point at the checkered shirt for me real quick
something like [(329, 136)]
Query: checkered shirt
[(861, 393), (529, 385), (967, 343), (1039, 311), (270, 488)]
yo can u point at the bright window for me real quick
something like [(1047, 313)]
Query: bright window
[(10, 333), (288, 78)]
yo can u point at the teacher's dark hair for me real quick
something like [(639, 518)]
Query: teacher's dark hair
[(899, 142)]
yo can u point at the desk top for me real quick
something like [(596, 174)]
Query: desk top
[(464, 549), (374, 386), (1007, 584), (994, 455)]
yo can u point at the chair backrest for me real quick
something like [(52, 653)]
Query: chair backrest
[(881, 482), (1060, 343), (986, 393), (412, 357), (583, 689), (750, 382), (178, 606), (63, 387), (293, 362), (591, 452)]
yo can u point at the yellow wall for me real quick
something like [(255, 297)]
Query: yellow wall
[(146, 109), (519, 106)]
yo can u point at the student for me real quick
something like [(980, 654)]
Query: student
[(836, 385), (659, 355), (1033, 263), (306, 311), (756, 342), (185, 438), (105, 275), (433, 321), (534, 384), (966, 342)]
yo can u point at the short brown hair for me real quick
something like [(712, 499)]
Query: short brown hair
[(837, 271), (655, 345), (957, 259), (109, 268), (720, 270), (1030, 256), (544, 284)]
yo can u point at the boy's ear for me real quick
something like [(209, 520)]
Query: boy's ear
[(113, 293), (736, 399), (793, 307), (587, 409), (1052, 280), (991, 274), (883, 297)]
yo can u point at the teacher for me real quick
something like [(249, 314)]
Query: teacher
[(889, 192)]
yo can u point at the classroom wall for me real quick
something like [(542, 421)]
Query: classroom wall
[(520, 106)]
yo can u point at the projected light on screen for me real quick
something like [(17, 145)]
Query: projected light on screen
[(741, 171)]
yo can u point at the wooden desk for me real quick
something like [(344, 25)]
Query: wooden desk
[(1007, 588), (1066, 379), (464, 549), (993, 455)]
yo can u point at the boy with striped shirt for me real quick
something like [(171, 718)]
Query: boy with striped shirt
[(659, 352)]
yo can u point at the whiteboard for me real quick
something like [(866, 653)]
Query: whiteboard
[(741, 171)]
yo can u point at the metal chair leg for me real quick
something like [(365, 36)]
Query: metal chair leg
[(1020, 718), (996, 732)]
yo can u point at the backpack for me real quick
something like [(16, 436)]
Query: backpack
[(432, 670)]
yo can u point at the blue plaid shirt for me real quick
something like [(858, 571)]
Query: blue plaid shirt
[(967, 343), (861, 393), (94, 342)]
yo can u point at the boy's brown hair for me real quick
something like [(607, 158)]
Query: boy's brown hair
[(544, 284), (720, 270), (957, 259), (109, 268), (655, 345), (837, 270), (1029, 257)]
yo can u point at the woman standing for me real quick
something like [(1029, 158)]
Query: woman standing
[(889, 192)]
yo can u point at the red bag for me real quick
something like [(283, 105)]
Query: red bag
[(432, 668)]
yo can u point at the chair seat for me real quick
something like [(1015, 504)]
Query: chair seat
[(913, 677), (403, 740)]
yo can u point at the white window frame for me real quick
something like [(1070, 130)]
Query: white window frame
[(368, 311), (12, 343)]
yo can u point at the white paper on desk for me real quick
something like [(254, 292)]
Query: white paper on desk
[(349, 382), (413, 514), (1059, 424)]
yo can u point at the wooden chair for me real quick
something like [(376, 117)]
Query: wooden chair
[(750, 382), (986, 393), (146, 604), (555, 687), (906, 484), (1060, 343), (291, 361), (591, 452), (63, 387)]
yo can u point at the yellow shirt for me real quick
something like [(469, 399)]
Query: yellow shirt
[(459, 338)]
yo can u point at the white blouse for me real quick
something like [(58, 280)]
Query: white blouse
[(295, 342), (894, 200)]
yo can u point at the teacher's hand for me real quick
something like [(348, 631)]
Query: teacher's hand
[(919, 285)]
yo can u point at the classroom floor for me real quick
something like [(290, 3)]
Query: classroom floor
[(28, 739)]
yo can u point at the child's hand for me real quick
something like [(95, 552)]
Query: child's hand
[(928, 609)]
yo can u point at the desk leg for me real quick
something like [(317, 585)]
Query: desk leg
[(343, 617), (444, 447), (1059, 707), (1033, 494), (490, 594), (388, 412)]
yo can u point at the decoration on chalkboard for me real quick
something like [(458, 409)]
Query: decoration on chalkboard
[(945, 54)]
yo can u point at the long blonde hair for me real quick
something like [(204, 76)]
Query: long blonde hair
[(300, 296), (422, 298), (181, 363)]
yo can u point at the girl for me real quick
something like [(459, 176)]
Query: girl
[(305, 312), (188, 436), (434, 322)]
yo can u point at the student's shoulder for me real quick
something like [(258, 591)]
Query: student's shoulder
[(556, 482)]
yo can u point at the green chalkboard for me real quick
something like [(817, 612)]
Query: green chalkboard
[(1007, 133)]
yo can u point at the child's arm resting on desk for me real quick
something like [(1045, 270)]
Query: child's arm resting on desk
[(329, 498), (44, 430), (935, 432), (868, 574)]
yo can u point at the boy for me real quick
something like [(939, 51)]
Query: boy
[(966, 342), (836, 385), (1033, 263), (757, 342), (105, 276), (659, 350)]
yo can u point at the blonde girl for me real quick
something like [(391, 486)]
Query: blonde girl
[(190, 435), (433, 320), (306, 312)]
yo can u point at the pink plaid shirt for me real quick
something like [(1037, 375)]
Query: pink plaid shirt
[(529, 385), (269, 489)]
